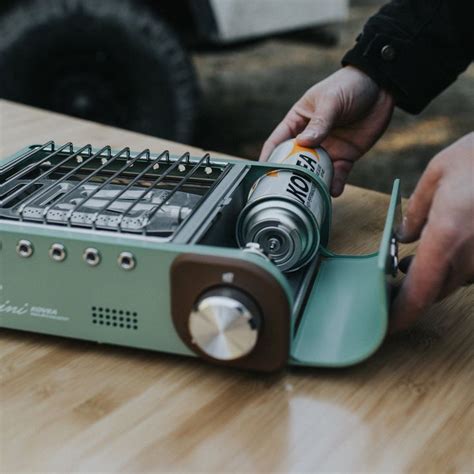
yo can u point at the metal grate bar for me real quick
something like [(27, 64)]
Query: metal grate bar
[(30, 153), (131, 184), (127, 165), (55, 183), (87, 178), (28, 170), (158, 180), (183, 181)]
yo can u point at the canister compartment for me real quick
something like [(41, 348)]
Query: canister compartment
[(290, 223)]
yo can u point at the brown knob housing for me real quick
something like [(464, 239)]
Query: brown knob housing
[(192, 276)]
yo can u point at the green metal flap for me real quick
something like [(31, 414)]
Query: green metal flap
[(346, 315)]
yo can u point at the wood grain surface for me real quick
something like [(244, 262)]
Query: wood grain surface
[(75, 406)]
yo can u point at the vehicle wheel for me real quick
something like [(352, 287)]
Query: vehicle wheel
[(111, 61)]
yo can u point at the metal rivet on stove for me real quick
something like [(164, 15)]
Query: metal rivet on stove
[(91, 256), (58, 252), (24, 248), (126, 260)]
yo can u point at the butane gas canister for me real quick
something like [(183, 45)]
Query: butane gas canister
[(285, 209)]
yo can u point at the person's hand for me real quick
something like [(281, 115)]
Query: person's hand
[(440, 213), (346, 114)]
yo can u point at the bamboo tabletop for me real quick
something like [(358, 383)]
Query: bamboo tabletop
[(68, 405)]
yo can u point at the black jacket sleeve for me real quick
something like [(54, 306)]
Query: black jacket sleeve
[(416, 48)]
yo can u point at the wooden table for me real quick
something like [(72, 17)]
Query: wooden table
[(75, 406)]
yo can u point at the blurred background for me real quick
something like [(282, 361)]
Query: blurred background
[(247, 93), (219, 74)]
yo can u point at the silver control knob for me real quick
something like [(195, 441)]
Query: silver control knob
[(225, 324)]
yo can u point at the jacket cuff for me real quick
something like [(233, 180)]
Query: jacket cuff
[(405, 68)]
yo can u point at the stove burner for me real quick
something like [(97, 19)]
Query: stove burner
[(105, 209)]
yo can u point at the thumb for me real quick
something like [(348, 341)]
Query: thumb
[(320, 124)]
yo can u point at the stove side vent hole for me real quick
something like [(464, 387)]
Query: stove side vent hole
[(115, 318)]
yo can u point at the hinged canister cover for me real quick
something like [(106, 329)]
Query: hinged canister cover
[(346, 315)]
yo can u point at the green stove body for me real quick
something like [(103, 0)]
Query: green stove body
[(130, 248)]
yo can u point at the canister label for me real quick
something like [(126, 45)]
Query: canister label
[(293, 185)]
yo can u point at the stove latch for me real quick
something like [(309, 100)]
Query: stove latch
[(393, 256)]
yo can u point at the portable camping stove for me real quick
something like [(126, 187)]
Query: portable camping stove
[(139, 250)]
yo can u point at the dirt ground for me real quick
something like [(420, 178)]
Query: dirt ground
[(246, 92)]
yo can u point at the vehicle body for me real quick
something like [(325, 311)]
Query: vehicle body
[(228, 21), (128, 63)]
